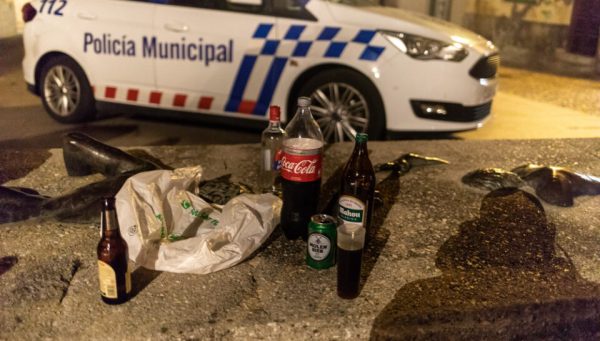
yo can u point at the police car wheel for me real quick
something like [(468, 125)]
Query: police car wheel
[(65, 91), (344, 103)]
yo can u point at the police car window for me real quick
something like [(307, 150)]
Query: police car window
[(357, 3), (239, 7), (218, 4), (293, 9), (292, 5), (197, 3)]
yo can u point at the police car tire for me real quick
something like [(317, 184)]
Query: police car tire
[(376, 124), (86, 107)]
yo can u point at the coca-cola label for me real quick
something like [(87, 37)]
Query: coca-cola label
[(301, 168)]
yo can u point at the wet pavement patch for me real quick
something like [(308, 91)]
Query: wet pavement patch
[(6, 263), (28, 161)]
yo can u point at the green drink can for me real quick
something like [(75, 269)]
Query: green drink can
[(322, 241)]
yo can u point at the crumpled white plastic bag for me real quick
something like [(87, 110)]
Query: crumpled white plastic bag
[(169, 228)]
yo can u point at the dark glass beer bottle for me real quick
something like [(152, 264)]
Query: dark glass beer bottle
[(355, 203), (113, 270)]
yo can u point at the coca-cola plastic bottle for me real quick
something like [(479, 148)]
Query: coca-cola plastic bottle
[(301, 171)]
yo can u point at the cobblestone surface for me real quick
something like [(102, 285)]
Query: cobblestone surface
[(573, 93)]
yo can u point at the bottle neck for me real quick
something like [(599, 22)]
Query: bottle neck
[(108, 222), (274, 124), (360, 147), (303, 111)]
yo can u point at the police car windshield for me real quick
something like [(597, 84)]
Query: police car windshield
[(357, 3)]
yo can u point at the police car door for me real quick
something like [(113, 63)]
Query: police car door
[(108, 35), (208, 55)]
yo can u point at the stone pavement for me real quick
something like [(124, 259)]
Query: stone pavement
[(513, 119), (577, 94), (52, 291)]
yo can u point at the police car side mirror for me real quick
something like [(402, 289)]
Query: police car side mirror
[(246, 2)]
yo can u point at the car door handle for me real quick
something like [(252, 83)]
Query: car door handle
[(176, 27), (87, 16)]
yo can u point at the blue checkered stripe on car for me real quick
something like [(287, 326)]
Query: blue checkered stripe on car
[(299, 41)]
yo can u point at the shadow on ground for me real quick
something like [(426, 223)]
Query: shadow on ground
[(501, 279)]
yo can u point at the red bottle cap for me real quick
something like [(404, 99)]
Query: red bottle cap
[(274, 113)]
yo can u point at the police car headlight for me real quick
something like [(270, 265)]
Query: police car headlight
[(424, 48)]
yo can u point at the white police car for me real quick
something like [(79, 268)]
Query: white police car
[(367, 68)]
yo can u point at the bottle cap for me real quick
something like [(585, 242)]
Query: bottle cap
[(361, 137), (274, 113), (303, 101)]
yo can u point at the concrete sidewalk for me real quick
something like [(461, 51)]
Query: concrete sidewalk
[(52, 291)]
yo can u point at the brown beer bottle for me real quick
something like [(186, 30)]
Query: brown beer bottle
[(113, 270), (355, 203)]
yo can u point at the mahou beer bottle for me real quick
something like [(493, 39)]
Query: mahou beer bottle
[(301, 171), (358, 185), (113, 271)]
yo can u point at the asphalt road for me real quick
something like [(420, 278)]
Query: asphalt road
[(529, 105)]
